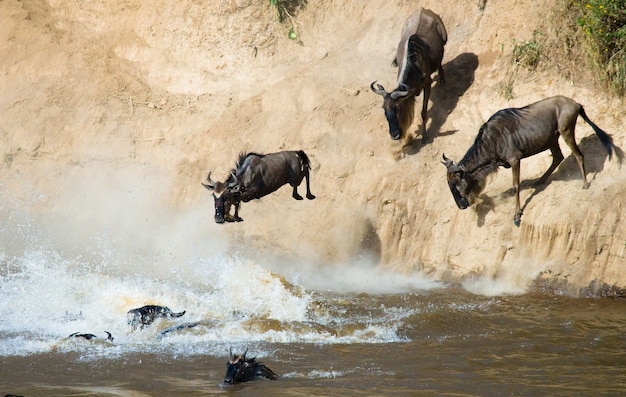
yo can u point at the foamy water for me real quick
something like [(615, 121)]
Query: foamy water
[(80, 263), (60, 275), (229, 300)]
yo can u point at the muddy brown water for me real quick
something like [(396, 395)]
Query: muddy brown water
[(445, 342), (343, 329)]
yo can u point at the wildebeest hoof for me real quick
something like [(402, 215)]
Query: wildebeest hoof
[(238, 219), (310, 196), (518, 219), (297, 196)]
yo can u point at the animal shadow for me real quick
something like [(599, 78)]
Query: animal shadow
[(595, 158), (483, 207), (370, 248), (459, 74)]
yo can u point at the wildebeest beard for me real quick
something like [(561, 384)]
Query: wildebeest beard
[(466, 186)]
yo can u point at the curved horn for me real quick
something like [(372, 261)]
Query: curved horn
[(446, 161), (211, 181), (380, 90), (234, 182), (401, 91)]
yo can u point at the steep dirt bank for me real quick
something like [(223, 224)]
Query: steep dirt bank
[(95, 93)]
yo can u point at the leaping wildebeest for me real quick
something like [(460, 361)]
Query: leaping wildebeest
[(418, 56), (256, 175), (516, 133), (241, 369)]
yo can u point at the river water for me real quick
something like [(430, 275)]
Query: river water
[(327, 329)]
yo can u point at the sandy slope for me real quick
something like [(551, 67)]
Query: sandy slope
[(98, 97)]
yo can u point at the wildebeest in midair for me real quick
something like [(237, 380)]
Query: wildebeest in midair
[(516, 133), (256, 175), (241, 369), (418, 56)]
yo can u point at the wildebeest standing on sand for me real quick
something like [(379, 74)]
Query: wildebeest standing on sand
[(241, 369), (516, 133), (418, 56), (145, 315), (256, 175)]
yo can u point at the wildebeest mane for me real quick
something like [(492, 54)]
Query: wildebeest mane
[(418, 53), (240, 161), (479, 161)]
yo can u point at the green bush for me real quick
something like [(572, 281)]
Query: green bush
[(528, 52), (604, 25), (285, 9)]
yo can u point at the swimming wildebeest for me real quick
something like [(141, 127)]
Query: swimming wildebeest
[(90, 336), (418, 55), (146, 315), (241, 369), (516, 133), (257, 175)]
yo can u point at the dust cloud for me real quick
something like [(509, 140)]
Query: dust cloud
[(114, 113)]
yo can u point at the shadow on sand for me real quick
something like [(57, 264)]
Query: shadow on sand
[(595, 158), (459, 74)]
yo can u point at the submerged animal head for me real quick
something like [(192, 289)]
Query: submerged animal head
[(239, 369), (461, 184), (395, 109), (223, 195)]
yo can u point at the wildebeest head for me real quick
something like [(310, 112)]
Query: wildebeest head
[(460, 183), (222, 195), (238, 369), (392, 105), (241, 369)]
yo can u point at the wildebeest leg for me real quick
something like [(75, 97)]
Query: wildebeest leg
[(568, 137), (557, 158), (427, 84), (227, 216), (309, 195), (295, 193), (236, 217), (515, 166)]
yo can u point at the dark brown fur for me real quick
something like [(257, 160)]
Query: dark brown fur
[(418, 56), (241, 369), (146, 315), (516, 133), (257, 175)]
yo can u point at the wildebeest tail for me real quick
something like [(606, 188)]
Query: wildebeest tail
[(604, 137), (179, 314), (304, 159)]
